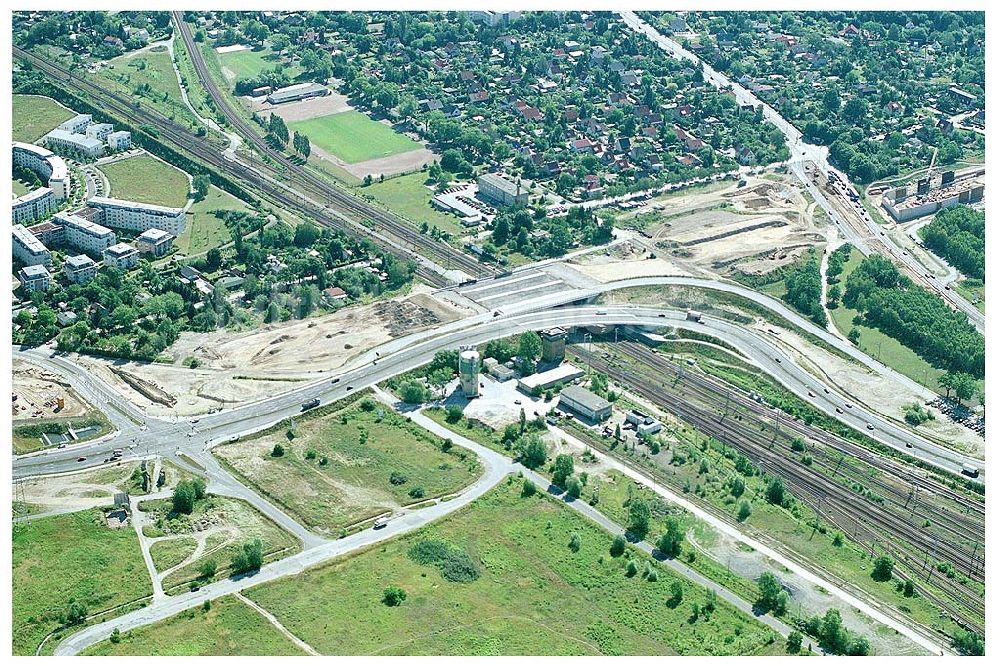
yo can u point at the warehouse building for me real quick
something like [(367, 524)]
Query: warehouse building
[(49, 167), (590, 406), (297, 92), (85, 235), (121, 256), (34, 278), (33, 205), (80, 269), (543, 381), (135, 216), (28, 249), (495, 188)]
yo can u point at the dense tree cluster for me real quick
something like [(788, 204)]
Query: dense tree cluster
[(959, 236), (889, 301), (834, 637), (89, 30), (804, 287)]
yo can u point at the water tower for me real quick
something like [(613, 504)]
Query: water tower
[(468, 372)]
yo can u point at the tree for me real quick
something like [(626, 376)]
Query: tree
[(562, 469), (737, 486), (793, 645), (116, 636), (76, 612), (454, 413), (676, 594), (882, 569), (573, 487), (183, 498), (574, 542), (772, 596), (306, 234), (638, 517), (617, 546), (670, 543), (207, 568), (201, 184), (969, 643), (744, 511), (249, 558), (393, 596), (531, 452), (775, 491), (528, 489)]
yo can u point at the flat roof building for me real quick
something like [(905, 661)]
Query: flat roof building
[(589, 405), (80, 269), (49, 167), (28, 249), (542, 381), (74, 145), (34, 278), (138, 216), (85, 235), (99, 131), (121, 256), (155, 242), (77, 123), (496, 188), (119, 141), (33, 205), (297, 92)]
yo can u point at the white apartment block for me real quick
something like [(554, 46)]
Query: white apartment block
[(119, 141), (77, 124), (34, 278), (75, 145), (85, 235), (28, 249), (48, 166), (33, 205), (100, 131), (155, 242), (138, 216), (80, 269), (121, 256)]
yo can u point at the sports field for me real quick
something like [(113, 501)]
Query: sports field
[(36, 116), (148, 180), (354, 137)]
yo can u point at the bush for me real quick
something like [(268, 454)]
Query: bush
[(431, 551), (417, 492), (794, 643), (631, 568), (182, 501), (617, 546), (775, 491), (574, 487), (116, 636), (207, 569), (744, 511), (574, 542), (458, 567), (528, 489), (249, 558), (882, 571), (311, 454), (393, 596), (277, 451), (453, 413), (397, 479)]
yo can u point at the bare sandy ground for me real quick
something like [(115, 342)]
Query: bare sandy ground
[(390, 165), (305, 109), (238, 368), (628, 261), (75, 492), (36, 390)]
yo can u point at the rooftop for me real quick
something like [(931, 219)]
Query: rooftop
[(585, 398)]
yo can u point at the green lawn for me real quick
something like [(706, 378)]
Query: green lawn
[(375, 460), (353, 136), (203, 229), (171, 552), (35, 116), (229, 627), (408, 196), (71, 556), (534, 594), (19, 188), (147, 180), (249, 63)]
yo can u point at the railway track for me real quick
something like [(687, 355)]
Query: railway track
[(856, 515), (384, 220), (259, 186)]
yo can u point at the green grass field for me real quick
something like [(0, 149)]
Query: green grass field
[(249, 63), (35, 116), (363, 449), (534, 594), (148, 180), (171, 552), (71, 556), (19, 188), (353, 136), (149, 75), (203, 229), (229, 627), (408, 196), (972, 290)]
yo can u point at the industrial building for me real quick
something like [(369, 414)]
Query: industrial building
[(553, 344), (49, 167), (34, 278), (497, 189), (297, 92), (85, 235), (543, 381), (80, 269), (644, 423), (582, 402), (905, 204), (121, 256), (138, 216), (33, 205), (155, 242), (79, 146), (28, 249), (468, 372), (498, 370)]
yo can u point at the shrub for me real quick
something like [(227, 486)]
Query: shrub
[(393, 596), (794, 643), (116, 636), (458, 567), (249, 558), (617, 545), (574, 487), (528, 489), (453, 413), (207, 569), (574, 542), (277, 451), (397, 479), (417, 492), (882, 571), (631, 568), (744, 511), (311, 454)]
